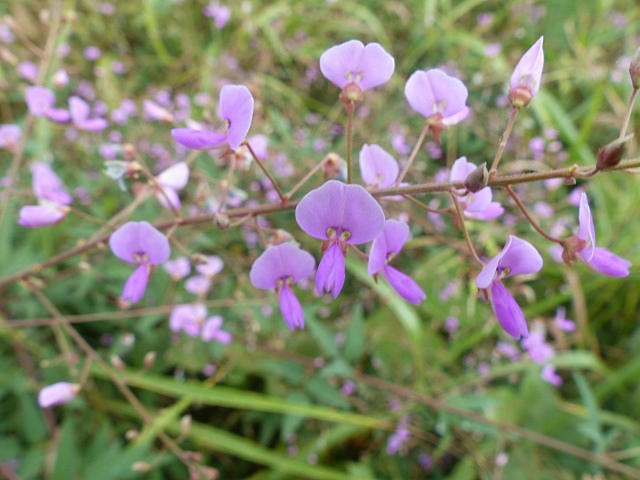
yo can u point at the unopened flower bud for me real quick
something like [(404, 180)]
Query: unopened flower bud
[(610, 155), (526, 77), (634, 69), (117, 362), (185, 424), (332, 165), (477, 180), (140, 467), (149, 359), (221, 220)]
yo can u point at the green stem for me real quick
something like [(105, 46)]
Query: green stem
[(349, 141), (414, 153), (503, 141), (627, 115)]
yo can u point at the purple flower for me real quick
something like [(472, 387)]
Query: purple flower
[(212, 266), (28, 71), (220, 14), (399, 437), (191, 319), (525, 80), (139, 243), (353, 63), (47, 185), (561, 321), (438, 97), (517, 257), (478, 205), (79, 110), (235, 109), (47, 213), (169, 182), (583, 245), (198, 285), (385, 248), (9, 136), (57, 394), (340, 215), (539, 350), (178, 268), (278, 268), (40, 101), (92, 53), (377, 167), (153, 111), (549, 375)]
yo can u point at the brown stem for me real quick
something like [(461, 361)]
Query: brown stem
[(349, 140), (627, 115), (120, 384), (414, 153), (503, 142), (265, 171), (465, 232), (305, 179), (529, 218)]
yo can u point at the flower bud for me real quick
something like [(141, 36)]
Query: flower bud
[(634, 69), (610, 155), (526, 77), (221, 220), (477, 180), (332, 165), (57, 394)]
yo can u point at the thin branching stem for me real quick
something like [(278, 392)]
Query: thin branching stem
[(414, 153), (529, 218), (503, 142), (465, 232), (627, 114)]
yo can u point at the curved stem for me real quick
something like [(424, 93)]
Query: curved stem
[(503, 142), (529, 218), (265, 171), (414, 153), (627, 115), (465, 232)]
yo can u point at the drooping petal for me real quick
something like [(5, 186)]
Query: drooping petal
[(608, 263), (508, 312), (168, 198), (236, 107), (139, 238), (520, 257), (586, 229), (493, 210), (341, 207), (291, 309), (375, 67), (136, 285), (433, 91), (198, 139), (406, 287), (57, 394), (58, 115), (488, 272), (34, 216), (377, 167), (378, 254), (174, 177), (528, 71), (337, 63), (479, 201), (281, 262), (331, 271), (79, 110), (93, 124)]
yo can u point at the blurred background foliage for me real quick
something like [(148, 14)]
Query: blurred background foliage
[(322, 403)]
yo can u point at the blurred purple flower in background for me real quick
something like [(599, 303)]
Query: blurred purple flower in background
[(40, 101), (235, 109), (385, 248), (79, 110), (220, 14), (141, 244), (169, 182), (340, 215), (278, 268), (192, 320), (377, 167), (57, 394), (52, 197), (517, 257)]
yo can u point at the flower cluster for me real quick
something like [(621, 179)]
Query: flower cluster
[(53, 199)]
